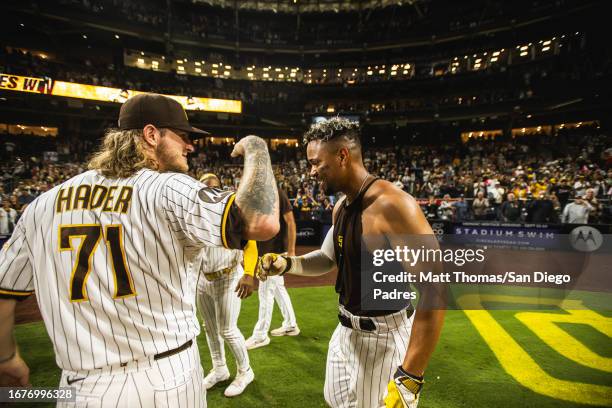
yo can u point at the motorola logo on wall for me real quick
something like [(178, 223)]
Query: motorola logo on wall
[(585, 239)]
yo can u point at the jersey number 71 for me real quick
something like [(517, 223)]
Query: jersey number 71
[(90, 237)]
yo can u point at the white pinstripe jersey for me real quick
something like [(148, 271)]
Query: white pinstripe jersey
[(112, 263)]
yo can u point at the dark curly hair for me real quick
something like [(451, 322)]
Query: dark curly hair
[(332, 129)]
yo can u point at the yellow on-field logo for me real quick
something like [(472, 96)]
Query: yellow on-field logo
[(517, 362)]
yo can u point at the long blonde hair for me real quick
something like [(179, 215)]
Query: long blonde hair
[(121, 154)]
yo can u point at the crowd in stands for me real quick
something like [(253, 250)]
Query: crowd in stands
[(371, 25), (565, 178)]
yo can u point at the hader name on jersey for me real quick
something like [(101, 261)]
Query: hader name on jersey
[(91, 197)]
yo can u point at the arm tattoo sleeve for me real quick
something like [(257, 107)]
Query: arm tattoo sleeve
[(257, 194)]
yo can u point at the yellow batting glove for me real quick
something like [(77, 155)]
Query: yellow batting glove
[(270, 265), (403, 390)]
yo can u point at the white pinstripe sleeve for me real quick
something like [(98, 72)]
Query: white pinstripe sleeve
[(16, 272), (201, 213)]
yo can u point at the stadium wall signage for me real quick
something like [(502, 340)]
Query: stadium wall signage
[(48, 86)]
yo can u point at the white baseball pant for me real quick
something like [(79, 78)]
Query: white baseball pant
[(219, 305), (272, 289), (173, 381), (360, 363)]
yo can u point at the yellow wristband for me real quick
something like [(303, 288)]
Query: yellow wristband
[(250, 258)]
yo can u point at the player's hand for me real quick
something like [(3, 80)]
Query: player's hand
[(403, 390), (244, 289), (270, 265), (246, 143), (14, 373)]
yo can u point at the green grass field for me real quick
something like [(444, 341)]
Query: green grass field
[(464, 371)]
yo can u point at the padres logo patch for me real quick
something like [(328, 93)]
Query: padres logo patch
[(212, 195)]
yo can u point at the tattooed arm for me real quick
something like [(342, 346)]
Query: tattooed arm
[(257, 197)]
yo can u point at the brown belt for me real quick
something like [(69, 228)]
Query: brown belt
[(173, 351), (216, 275)]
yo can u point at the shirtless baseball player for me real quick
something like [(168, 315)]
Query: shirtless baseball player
[(222, 283), (375, 358), (110, 256)]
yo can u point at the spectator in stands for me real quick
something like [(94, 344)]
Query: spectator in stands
[(541, 210), (462, 210), (8, 218), (431, 208), (580, 186), (563, 191), (446, 209), (510, 210), (327, 205), (596, 208), (576, 212), (496, 193), (398, 183), (480, 206)]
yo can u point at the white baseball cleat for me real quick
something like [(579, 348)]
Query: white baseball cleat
[(215, 376), (253, 342), (286, 331), (240, 383)]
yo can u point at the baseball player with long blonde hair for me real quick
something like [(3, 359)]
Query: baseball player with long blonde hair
[(110, 255)]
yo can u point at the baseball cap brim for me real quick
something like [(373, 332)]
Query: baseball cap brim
[(192, 129)]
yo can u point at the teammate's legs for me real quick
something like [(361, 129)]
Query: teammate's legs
[(228, 308), (337, 389), (266, 305), (208, 310), (284, 302)]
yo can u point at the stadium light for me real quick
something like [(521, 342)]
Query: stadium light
[(117, 36)]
